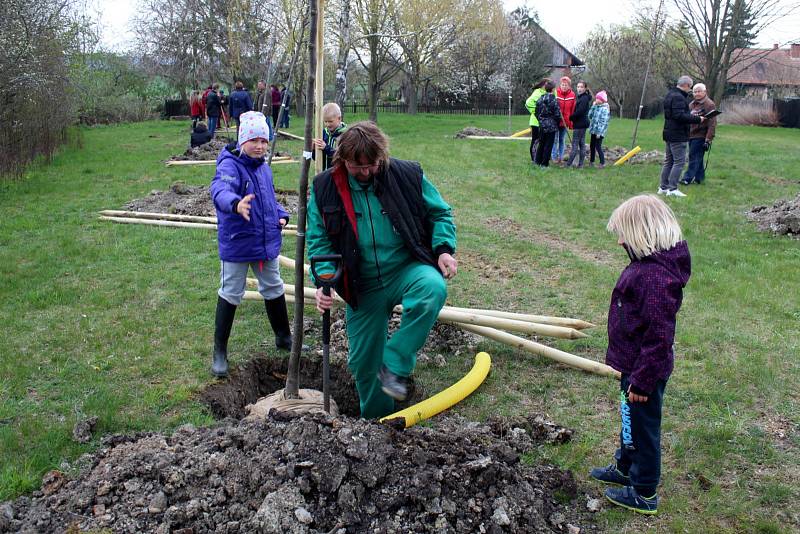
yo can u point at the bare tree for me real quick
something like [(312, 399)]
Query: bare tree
[(374, 45), (715, 32), (424, 31)]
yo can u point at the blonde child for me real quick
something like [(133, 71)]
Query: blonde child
[(334, 127), (641, 331), (249, 234)]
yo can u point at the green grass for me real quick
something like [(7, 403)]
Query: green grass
[(116, 321)]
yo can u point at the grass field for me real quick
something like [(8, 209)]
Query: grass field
[(116, 321)]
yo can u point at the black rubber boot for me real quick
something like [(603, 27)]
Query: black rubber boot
[(222, 331), (279, 321)]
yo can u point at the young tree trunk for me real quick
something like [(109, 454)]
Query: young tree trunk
[(344, 52), (373, 79)]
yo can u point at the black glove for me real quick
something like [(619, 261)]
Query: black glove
[(706, 146)]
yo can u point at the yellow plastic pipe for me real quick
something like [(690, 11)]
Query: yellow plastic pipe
[(449, 397), (521, 133), (627, 156)]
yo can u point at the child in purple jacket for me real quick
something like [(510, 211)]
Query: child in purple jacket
[(641, 331), (249, 224)]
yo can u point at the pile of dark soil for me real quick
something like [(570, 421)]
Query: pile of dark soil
[(312, 474), (194, 200), (209, 151), (474, 130), (782, 218)]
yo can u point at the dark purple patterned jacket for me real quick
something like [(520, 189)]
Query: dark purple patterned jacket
[(641, 319)]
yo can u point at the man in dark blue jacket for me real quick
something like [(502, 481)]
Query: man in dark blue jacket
[(677, 119), (240, 102)]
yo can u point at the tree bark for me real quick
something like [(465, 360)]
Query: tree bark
[(341, 58)]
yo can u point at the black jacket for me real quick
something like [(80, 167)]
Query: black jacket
[(399, 190), (548, 113), (213, 104), (200, 135), (677, 117), (580, 117)]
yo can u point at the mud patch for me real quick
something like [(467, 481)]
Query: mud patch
[(505, 226), (474, 130), (782, 218), (208, 151), (313, 474), (194, 200), (652, 156)]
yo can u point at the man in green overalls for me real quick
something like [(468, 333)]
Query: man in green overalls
[(397, 239)]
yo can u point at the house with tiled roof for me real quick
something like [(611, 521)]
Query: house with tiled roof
[(766, 73)]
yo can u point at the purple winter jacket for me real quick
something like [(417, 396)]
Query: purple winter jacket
[(642, 315), (259, 238)]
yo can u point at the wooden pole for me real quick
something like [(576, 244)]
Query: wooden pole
[(319, 86), (543, 350), (175, 224), (541, 319), (159, 216), (293, 373)]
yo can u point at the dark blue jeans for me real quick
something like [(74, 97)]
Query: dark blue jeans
[(639, 453), (695, 172), (212, 124)]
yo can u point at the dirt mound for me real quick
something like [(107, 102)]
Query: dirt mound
[(208, 151), (312, 474), (782, 218), (614, 153), (474, 130), (194, 200)]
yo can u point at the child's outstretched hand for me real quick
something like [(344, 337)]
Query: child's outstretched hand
[(635, 397), (243, 207)]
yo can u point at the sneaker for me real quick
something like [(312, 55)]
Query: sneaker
[(685, 181), (662, 191), (627, 497), (675, 193), (610, 475), (393, 385)]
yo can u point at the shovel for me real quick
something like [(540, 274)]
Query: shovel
[(327, 281)]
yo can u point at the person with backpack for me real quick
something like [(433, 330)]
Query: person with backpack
[(548, 114)]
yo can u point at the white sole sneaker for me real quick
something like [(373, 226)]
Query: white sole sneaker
[(675, 193), (662, 191)]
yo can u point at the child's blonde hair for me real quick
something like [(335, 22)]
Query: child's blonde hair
[(646, 225), (330, 110)]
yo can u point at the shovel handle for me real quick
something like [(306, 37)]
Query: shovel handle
[(327, 281)]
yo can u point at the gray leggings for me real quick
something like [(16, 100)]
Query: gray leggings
[(578, 146), (233, 279)]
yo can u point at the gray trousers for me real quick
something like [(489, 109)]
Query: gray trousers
[(233, 279), (675, 157), (578, 146)]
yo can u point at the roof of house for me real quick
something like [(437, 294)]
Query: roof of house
[(561, 56), (757, 66)]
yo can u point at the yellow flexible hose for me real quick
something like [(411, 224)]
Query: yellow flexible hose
[(449, 397), (627, 156), (521, 133)]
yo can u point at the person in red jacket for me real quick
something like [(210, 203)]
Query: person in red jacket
[(566, 101), (196, 108)]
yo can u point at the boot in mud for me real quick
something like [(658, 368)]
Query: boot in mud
[(222, 331)]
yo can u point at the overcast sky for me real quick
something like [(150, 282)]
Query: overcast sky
[(567, 21)]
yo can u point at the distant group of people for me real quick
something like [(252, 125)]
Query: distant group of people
[(555, 111), (210, 106)]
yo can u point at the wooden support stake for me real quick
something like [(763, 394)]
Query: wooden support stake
[(174, 224), (543, 350)]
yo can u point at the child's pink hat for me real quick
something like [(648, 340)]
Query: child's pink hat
[(601, 96)]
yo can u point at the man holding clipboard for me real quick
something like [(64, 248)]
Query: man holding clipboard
[(700, 135)]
